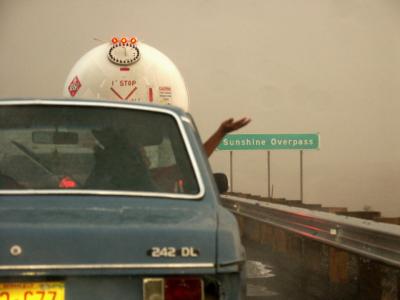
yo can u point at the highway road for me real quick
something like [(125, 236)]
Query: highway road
[(268, 279)]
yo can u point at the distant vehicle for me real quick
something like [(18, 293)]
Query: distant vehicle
[(111, 200)]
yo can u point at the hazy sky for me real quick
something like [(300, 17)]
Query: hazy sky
[(293, 66)]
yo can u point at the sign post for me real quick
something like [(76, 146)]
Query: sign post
[(301, 175), (304, 141), (269, 173), (231, 169)]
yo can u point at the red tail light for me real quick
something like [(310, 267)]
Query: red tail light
[(181, 288), (67, 183), (173, 288)]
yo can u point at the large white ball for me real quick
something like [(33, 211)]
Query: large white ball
[(153, 78)]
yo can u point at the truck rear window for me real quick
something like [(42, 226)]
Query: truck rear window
[(93, 148)]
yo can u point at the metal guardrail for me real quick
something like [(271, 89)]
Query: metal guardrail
[(370, 239)]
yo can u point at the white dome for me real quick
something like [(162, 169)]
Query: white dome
[(103, 74)]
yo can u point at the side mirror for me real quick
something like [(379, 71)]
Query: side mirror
[(222, 182)]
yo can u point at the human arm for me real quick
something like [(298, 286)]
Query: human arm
[(226, 127)]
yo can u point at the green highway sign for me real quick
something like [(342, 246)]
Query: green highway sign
[(307, 141)]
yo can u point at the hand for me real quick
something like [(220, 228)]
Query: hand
[(225, 127), (231, 125)]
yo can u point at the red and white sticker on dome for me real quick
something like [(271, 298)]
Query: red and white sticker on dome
[(74, 86), (165, 94)]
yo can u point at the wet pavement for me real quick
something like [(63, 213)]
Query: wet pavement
[(258, 274), (268, 279)]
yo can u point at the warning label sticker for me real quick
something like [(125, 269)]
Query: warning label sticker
[(165, 94), (74, 86)]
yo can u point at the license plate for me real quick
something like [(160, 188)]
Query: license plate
[(53, 290)]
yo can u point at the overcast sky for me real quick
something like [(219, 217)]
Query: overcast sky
[(293, 66)]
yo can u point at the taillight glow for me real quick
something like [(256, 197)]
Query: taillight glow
[(182, 288), (67, 183), (173, 288)]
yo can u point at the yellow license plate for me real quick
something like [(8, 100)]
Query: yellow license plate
[(53, 290)]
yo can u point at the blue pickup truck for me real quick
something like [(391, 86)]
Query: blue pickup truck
[(110, 200)]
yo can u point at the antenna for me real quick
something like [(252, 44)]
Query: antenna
[(98, 40)]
